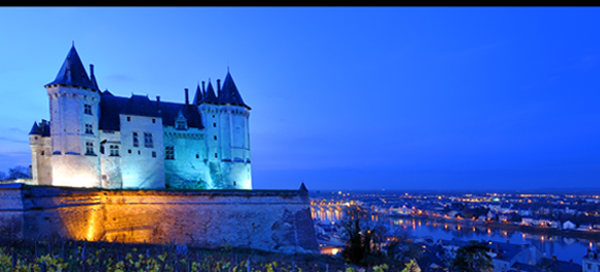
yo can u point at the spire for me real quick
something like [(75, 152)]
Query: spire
[(210, 96), (72, 72), (198, 96), (303, 191), (229, 93), (35, 130), (42, 128)]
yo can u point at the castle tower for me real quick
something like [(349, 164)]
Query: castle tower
[(209, 110), (234, 136), (40, 143), (74, 115)]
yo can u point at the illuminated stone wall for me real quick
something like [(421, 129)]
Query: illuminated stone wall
[(142, 163), (227, 137), (41, 159), (268, 220), (72, 163), (186, 168), (110, 160)]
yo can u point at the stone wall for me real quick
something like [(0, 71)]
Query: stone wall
[(267, 220)]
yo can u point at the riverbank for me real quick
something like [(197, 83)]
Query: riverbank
[(591, 236)]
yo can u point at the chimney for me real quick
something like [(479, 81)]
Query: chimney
[(91, 69), (158, 103), (187, 97)]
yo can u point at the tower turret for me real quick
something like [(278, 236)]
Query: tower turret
[(235, 127), (227, 135), (40, 144), (74, 111)]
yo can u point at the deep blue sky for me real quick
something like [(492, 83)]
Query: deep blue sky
[(344, 98)]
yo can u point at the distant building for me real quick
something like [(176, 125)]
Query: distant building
[(96, 139), (506, 254), (568, 225), (591, 261)]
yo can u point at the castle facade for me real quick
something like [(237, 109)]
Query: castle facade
[(99, 140)]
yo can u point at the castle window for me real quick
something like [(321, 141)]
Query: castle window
[(181, 124), (153, 154), (215, 137), (214, 124), (136, 141), (153, 120), (87, 109), (114, 150), (169, 152), (89, 148), (216, 155), (128, 118), (148, 140), (89, 129)]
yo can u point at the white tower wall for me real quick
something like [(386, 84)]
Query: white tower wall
[(74, 133), (142, 166), (212, 123)]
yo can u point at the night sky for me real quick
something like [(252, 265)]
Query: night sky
[(344, 98)]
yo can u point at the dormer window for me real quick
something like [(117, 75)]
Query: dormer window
[(181, 122)]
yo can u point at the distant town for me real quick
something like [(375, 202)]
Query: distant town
[(545, 211), (572, 215)]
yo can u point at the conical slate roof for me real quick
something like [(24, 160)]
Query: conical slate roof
[(42, 129), (73, 73), (209, 96), (230, 94), (198, 96), (35, 130)]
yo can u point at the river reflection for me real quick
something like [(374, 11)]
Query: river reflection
[(563, 248)]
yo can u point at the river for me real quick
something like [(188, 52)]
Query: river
[(562, 247)]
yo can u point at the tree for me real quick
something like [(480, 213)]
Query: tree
[(18, 172), (363, 238), (473, 257), (399, 243)]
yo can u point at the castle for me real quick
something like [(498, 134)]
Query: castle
[(98, 140)]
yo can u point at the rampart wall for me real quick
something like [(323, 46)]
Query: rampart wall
[(267, 220)]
